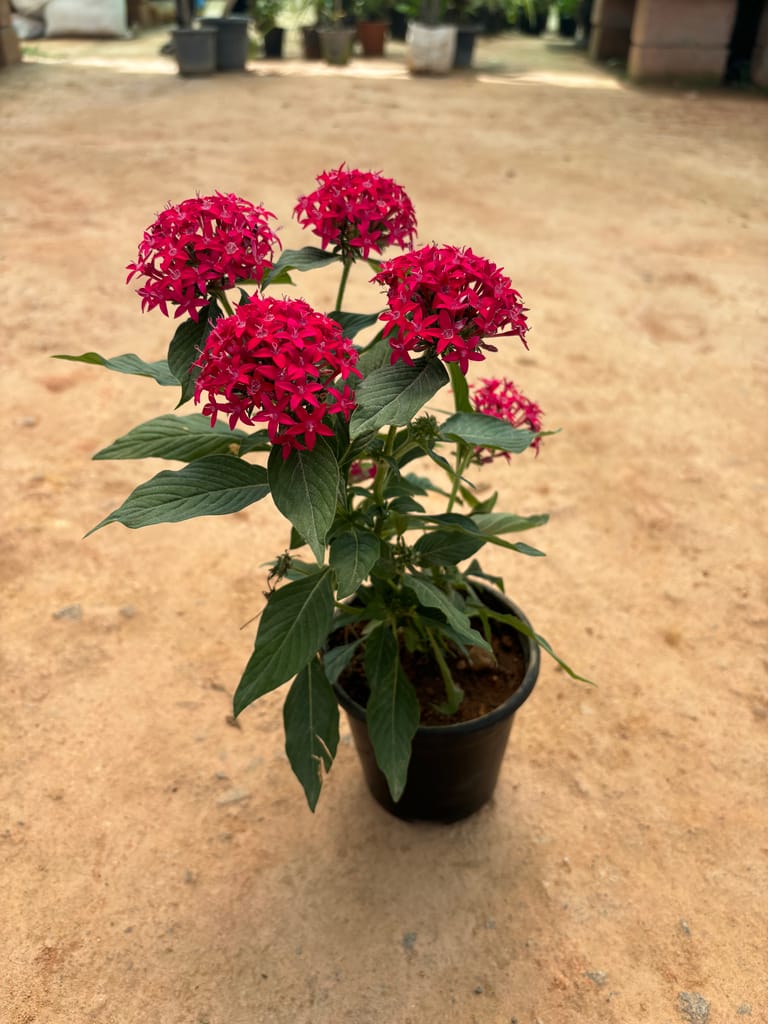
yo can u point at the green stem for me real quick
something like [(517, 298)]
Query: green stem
[(460, 388), (453, 692), (382, 469), (463, 458), (221, 297), (342, 285)]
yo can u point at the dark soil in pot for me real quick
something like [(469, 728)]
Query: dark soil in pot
[(486, 684)]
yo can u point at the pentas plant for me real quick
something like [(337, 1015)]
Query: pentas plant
[(342, 436)]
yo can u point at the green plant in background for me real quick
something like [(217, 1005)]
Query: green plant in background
[(371, 10), (341, 437), (265, 13)]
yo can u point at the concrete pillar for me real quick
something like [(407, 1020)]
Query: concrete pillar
[(681, 39), (611, 28), (759, 68)]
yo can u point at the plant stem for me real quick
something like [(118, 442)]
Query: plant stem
[(382, 469), (462, 461), (342, 285), (453, 692)]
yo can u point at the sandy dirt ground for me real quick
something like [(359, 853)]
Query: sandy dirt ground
[(157, 863)]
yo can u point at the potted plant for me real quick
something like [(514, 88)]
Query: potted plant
[(372, 24), (531, 16), (378, 600), (193, 47), (264, 14), (431, 42), (568, 11), (337, 37)]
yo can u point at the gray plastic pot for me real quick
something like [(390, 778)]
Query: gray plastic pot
[(195, 50), (453, 769), (231, 41)]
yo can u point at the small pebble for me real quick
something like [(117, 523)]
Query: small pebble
[(233, 796), (478, 990), (745, 1010), (693, 1008), (71, 611), (599, 977)]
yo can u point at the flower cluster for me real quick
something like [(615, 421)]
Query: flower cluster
[(210, 242), (273, 361), (449, 300), (500, 398), (357, 213)]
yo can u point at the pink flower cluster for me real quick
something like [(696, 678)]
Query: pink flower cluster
[(357, 213), (448, 299), (207, 242), (500, 398), (273, 361)]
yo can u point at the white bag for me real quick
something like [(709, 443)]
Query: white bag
[(431, 47), (86, 18), (27, 27)]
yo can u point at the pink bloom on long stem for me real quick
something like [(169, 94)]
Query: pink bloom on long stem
[(280, 363), (210, 242), (357, 213), (502, 399), (448, 300)]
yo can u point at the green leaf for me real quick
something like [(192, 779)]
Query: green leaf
[(392, 712), (212, 486), (430, 596), (393, 395), (446, 547), (185, 347), (311, 719), (183, 438), (353, 323), (353, 554), (293, 628), (128, 363), (521, 627), (304, 488), (336, 659), (308, 258), (374, 356), (494, 523), (469, 525), (487, 431)]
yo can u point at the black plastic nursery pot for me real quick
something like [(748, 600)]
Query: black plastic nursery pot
[(453, 769), (195, 50), (273, 43), (465, 45), (231, 41)]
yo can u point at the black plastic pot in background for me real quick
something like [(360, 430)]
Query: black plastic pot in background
[(231, 41), (273, 43), (398, 24), (465, 45), (453, 769)]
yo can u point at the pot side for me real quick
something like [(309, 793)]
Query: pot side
[(453, 769)]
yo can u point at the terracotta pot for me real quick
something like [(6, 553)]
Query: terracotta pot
[(372, 35), (453, 769), (310, 39)]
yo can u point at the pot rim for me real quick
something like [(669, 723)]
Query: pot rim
[(505, 710)]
